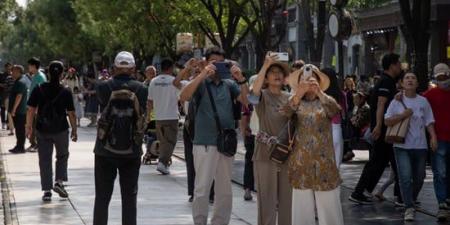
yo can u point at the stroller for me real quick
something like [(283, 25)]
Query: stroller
[(151, 144)]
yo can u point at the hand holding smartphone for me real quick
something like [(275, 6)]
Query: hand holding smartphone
[(223, 69), (281, 56)]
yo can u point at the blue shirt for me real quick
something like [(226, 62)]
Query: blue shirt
[(205, 124)]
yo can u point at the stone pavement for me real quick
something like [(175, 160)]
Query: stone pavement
[(162, 200)]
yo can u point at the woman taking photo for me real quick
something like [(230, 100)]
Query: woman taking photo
[(313, 172), (412, 154), (53, 103), (274, 191)]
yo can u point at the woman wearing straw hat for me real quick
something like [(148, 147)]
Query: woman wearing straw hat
[(312, 166), (274, 190)]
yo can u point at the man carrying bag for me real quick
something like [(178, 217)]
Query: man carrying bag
[(212, 159)]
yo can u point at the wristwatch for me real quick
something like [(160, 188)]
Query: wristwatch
[(242, 82)]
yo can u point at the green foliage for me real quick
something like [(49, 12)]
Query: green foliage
[(366, 4)]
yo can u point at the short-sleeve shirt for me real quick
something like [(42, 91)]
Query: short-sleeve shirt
[(20, 87), (385, 88), (271, 121), (45, 94), (421, 118), (205, 124), (438, 99), (37, 79), (165, 97)]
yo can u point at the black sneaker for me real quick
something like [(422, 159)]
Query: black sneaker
[(360, 199), (17, 150), (191, 198), (47, 197), (59, 188)]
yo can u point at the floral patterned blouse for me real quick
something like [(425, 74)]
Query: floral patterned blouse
[(312, 163)]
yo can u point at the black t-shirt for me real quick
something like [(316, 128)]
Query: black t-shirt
[(46, 93), (386, 87)]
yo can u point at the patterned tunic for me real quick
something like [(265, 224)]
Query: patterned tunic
[(312, 163)]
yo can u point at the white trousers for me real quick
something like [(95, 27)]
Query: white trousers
[(328, 205), (338, 143), (210, 165)]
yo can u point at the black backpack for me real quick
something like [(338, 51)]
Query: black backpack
[(48, 119), (121, 125)]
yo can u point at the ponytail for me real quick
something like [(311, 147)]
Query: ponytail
[(55, 70)]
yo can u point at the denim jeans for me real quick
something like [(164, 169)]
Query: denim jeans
[(411, 172), (438, 163)]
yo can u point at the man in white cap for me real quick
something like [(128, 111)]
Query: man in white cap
[(119, 139), (438, 97)]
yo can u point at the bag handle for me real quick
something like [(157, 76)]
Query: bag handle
[(213, 105)]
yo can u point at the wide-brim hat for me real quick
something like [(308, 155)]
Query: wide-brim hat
[(294, 77), (282, 65)]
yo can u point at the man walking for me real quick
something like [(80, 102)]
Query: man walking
[(18, 106), (209, 163), (119, 140), (37, 78), (439, 160), (163, 98), (382, 154)]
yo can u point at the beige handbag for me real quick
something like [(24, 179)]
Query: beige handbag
[(397, 133)]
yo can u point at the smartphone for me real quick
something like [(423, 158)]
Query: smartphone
[(307, 72), (198, 54), (282, 56), (223, 69)]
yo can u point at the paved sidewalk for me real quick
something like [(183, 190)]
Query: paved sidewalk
[(162, 200)]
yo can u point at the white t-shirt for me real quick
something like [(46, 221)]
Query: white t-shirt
[(184, 83), (421, 118), (165, 97)]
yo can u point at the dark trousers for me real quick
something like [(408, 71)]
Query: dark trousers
[(3, 115), (381, 155), (45, 151), (19, 124), (189, 158), (33, 138), (105, 174), (249, 181)]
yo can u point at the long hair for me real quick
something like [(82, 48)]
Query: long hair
[(334, 90)]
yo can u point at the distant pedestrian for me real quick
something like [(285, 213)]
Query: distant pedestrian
[(18, 106), (78, 102), (163, 99), (118, 147), (52, 103), (37, 78), (5, 89)]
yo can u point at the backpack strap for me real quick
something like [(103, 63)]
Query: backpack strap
[(53, 101)]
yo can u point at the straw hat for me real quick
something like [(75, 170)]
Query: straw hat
[(282, 65), (294, 78)]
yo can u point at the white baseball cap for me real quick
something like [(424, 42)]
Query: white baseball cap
[(124, 60), (441, 69)]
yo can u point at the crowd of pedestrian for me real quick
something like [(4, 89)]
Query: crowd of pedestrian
[(298, 123)]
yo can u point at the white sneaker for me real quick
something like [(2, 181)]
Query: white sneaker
[(410, 214), (163, 169)]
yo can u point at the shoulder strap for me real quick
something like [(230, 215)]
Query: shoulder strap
[(53, 101), (213, 105)]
